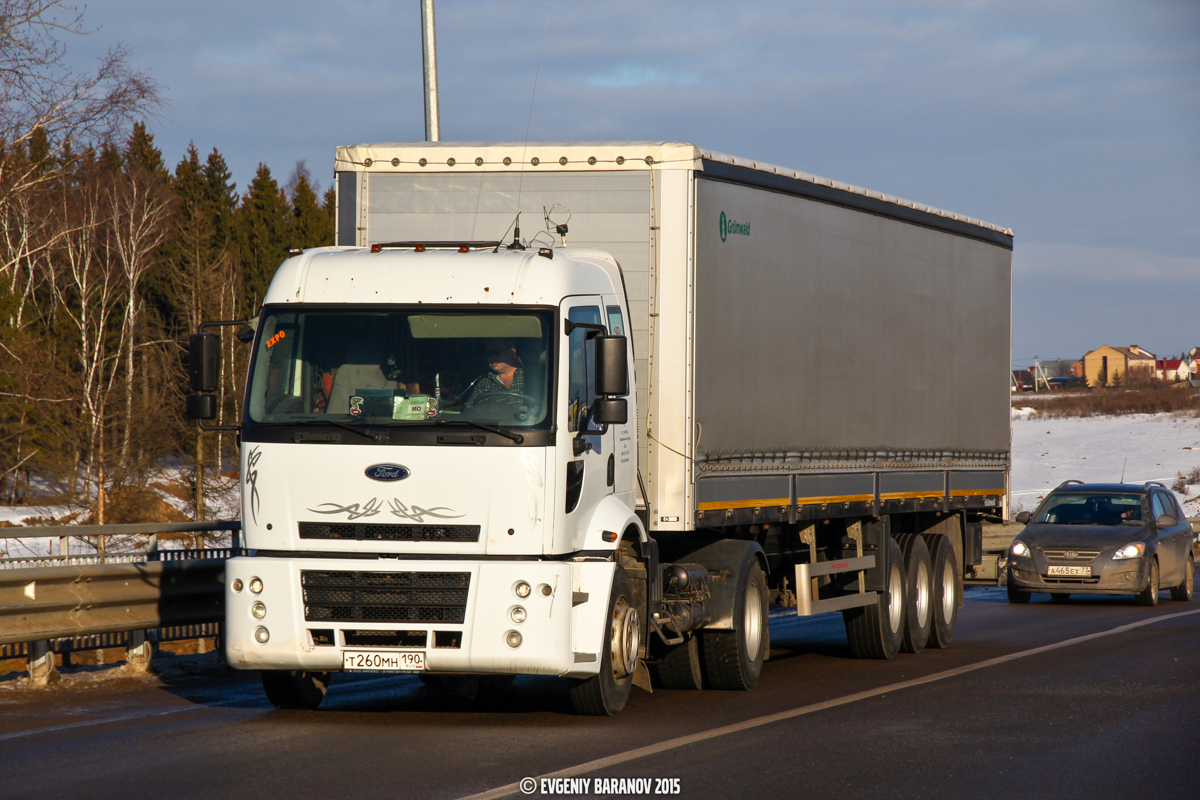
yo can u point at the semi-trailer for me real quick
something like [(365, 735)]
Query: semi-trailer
[(600, 451)]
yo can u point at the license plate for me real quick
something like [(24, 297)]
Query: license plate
[(382, 661), (1074, 572)]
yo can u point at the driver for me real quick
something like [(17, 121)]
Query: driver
[(505, 377)]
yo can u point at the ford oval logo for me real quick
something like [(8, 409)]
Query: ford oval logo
[(387, 472)]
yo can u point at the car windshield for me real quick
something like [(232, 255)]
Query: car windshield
[(405, 367), (1092, 509)]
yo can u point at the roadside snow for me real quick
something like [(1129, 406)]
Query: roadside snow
[(1146, 447)]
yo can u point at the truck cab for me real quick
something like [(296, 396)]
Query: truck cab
[(439, 466)]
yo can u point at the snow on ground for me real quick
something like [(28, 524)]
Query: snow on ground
[(1146, 447)]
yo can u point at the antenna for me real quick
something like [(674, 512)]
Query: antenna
[(1123, 463), (525, 147)]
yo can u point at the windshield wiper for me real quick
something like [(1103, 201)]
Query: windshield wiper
[(515, 437), (372, 435)]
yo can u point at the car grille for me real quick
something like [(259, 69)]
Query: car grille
[(1069, 555), (335, 596), (382, 532), (1061, 580)]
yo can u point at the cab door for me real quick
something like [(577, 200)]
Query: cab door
[(587, 468)]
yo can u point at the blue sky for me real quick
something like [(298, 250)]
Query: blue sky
[(1077, 124)]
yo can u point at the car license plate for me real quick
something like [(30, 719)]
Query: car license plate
[(1073, 572), (382, 661)]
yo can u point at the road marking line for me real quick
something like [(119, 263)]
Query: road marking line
[(683, 741)]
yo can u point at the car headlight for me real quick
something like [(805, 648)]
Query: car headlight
[(1019, 548), (1134, 550)]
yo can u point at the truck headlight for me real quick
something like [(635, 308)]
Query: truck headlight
[(261, 635), (1134, 550), (522, 589), (256, 585), (259, 609), (1019, 548), (513, 639), (517, 614)]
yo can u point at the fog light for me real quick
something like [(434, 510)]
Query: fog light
[(523, 589), (517, 614), (259, 610), (237, 584), (255, 585), (513, 638), (261, 635)]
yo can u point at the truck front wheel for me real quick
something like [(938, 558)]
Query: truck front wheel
[(734, 659), (605, 694), (295, 689)]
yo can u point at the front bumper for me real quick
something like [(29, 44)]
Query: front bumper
[(460, 630), (1127, 576)]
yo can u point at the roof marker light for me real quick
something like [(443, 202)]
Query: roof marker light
[(422, 162), (419, 248), (450, 162), (535, 161), (507, 161), (462, 248), (563, 161), (591, 161), (479, 162), (375, 248)]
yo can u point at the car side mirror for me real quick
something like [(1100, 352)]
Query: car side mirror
[(1023, 517), (1166, 521)]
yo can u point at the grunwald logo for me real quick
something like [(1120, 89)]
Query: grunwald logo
[(731, 227), (387, 472)]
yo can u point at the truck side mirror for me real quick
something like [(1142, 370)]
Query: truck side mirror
[(610, 411), (612, 367), (204, 356), (201, 406)]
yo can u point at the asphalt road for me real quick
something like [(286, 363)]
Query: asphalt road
[(1097, 698)]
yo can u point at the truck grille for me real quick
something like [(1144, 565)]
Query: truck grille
[(331, 596), (1066, 555), (382, 532)]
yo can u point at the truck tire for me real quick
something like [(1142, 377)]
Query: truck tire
[(678, 666), (605, 693), (945, 590), (876, 631), (295, 689), (733, 659), (918, 592)]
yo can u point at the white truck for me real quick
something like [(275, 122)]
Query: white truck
[(601, 451)]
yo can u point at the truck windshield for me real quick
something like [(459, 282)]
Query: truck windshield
[(404, 367)]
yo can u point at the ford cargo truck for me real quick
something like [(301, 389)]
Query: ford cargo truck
[(587, 409)]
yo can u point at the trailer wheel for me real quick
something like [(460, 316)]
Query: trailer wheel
[(945, 590), (733, 659), (876, 631), (918, 592), (295, 689), (678, 666), (605, 693)]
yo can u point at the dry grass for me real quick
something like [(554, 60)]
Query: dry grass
[(1110, 402)]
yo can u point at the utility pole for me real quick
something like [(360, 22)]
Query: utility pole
[(429, 51)]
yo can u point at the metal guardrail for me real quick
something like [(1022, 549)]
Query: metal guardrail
[(97, 551), (67, 601)]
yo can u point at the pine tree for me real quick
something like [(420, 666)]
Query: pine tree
[(222, 198), (263, 227), (142, 154), (1101, 376), (310, 226)]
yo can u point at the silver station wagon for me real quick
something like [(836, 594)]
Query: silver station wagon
[(1103, 538)]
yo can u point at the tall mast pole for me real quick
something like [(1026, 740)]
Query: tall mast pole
[(429, 51)]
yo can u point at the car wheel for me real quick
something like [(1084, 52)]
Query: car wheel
[(946, 594), (1149, 595), (1184, 590), (1060, 597), (1017, 596)]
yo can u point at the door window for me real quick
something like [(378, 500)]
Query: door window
[(581, 351)]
